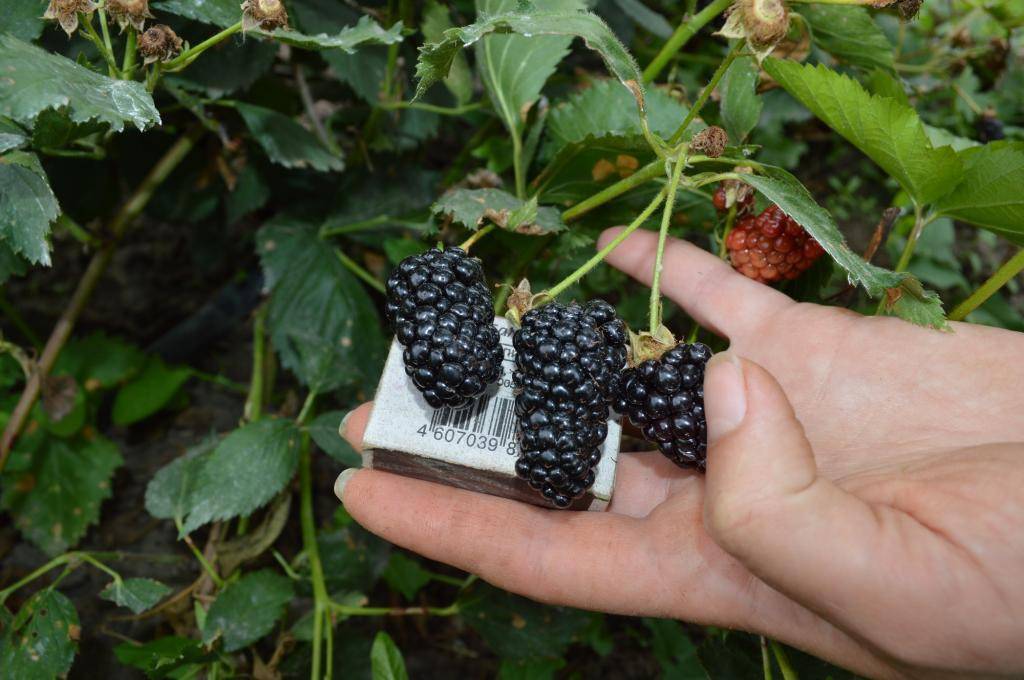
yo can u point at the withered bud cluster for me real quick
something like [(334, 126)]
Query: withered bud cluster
[(267, 15), (766, 22), (129, 13), (908, 9), (711, 141), (159, 43), (65, 12)]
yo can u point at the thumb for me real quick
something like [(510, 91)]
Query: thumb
[(765, 503)]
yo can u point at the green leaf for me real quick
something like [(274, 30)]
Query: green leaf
[(149, 392), (943, 137), (646, 18), (675, 652), (460, 79), (889, 133), (137, 594), (474, 207), (35, 80), (55, 500), (157, 658), (247, 609), (42, 640), (324, 327), (169, 493), (100, 361), (223, 71), (222, 13), (324, 430), (732, 655), (530, 669), (250, 193), (849, 34), (514, 68), (386, 659), (436, 58), (740, 105), (885, 84), (12, 136), (990, 194), (353, 558), (286, 142), (366, 31), (27, 207), (248, 468), (406, 575), (23, 18)]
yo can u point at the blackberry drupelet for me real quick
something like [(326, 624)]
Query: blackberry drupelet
[(665, 399), (567, 358), (442, 312)]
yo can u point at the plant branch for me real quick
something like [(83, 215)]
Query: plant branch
[(705, 94), (1007, 271), (254, 401), (358, 270), (432, 108), (101, 47), (349, 610), (192, 53), (307, 103), (128, 65), (477, 235), (654, 309), (652, 170), (321, 600), (682, 35), (788, 673), (87, 284)]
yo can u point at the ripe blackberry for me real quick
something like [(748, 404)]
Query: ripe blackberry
[(442, 312), (771, 246), (567, 359), (989, 127), (665, 399)]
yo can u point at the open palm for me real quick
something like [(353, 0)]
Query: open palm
[(865, 507)]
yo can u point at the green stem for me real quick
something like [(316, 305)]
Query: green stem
[(216, 379), (192, 53), (358, 270), (72, 559), (706, 92), (517, 164), (730, 219), (654, 309), (321, 600), (518, 270), (128, 65), (645, 174), (86, 557), (479, 234), (766, 661), (207, 567), (1010, 268), (95, 39), (682, 35), (603, 253), (254, 401), (352, 227), (94, 155), (694, 332), (908, 249), (347, 610), (106, 41), (788, 673), (432, 108), (306, 410)]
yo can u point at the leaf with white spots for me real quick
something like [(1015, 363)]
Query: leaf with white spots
[(137, 594), (55, 499), (41, 640), (247, 609)]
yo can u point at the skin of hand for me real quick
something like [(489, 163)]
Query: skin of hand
[(863, 498)]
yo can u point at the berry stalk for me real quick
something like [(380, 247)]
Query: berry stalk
[(654, 311), (682, 35), (1010, 268), (479, 234)]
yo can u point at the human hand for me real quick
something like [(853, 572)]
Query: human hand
[(874, 522)]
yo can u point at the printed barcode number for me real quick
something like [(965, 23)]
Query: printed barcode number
[(487, 424)]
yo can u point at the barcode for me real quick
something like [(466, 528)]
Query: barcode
[(488, 416)]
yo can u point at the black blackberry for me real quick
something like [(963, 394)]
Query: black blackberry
[(989, 128), (665, 399), (567, 358), (442, 312)]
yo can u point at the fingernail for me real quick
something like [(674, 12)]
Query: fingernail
[(725, 395), (339, 484), (344, 423)]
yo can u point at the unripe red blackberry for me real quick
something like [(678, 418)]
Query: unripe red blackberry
[(664, 397), (443, 313), (567, 359), (745, 202), (771, 246)]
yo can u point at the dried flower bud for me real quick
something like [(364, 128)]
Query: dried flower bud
[(129, 13), (265, 14), (159, 43), (766, 22), (66, 13), (908, 9), (711, 141)]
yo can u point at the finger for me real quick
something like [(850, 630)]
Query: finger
[(766, 505), (643, 481), (354, 425), (708, 289)]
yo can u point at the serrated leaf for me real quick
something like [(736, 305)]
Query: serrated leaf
[(514, 68), (474, 207), (916, 305), (888, 132), (366, 31), (42, 640), (322, 323), (990, 194), (353, 558), (35, 80), (58, 496), (12, 136), (386, 660), (286, 142), (169, 493), (27, 207), (23, 18), (406, 575), (247, 609), (157, 658), (324, 430), (460, 79), (147, 393), (849, 34), (248, 468), (99, 360), (435, 59), (137, 594), (943, 137), (222, 13), (740, 105)]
